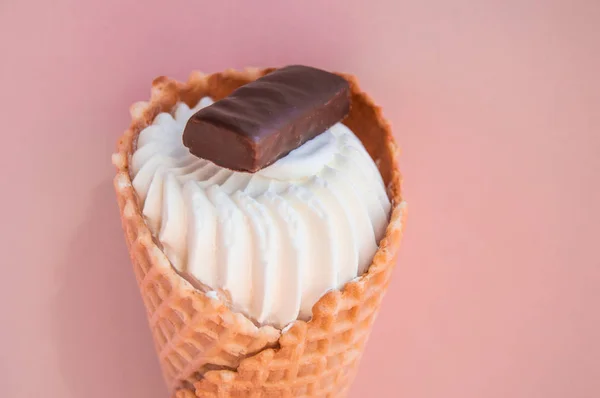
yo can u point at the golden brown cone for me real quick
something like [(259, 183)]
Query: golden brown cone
[(207, 350)]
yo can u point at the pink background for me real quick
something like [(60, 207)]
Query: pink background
[(496, 107)]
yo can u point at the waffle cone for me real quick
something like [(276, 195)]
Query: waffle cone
[(207, 350)]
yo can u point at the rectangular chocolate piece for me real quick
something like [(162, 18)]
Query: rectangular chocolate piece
[(266, 119)]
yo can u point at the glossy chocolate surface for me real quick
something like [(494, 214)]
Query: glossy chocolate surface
[(264, 120)]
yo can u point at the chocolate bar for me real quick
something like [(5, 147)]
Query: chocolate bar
[(264, 120)]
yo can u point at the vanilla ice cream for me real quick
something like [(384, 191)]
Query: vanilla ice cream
[(276, 240)]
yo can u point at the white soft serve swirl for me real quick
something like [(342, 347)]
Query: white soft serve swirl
[(276, 240)]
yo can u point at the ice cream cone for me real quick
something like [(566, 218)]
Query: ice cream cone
[(206, 349)]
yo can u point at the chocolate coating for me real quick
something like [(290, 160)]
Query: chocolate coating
[(266, 119)]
